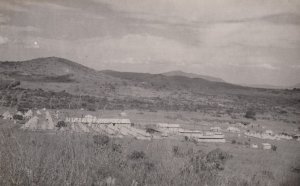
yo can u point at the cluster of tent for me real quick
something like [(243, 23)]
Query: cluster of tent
[(39, 120), (7, 115)]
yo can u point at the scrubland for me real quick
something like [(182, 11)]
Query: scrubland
[(63, 158)]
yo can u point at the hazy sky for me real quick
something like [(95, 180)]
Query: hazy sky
[(241, 41)]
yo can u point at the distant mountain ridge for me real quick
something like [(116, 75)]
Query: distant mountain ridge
[(192, 75), (47, 78), (62, 74)]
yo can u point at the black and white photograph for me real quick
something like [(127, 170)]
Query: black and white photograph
[(149, 92)]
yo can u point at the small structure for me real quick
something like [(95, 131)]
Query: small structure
[(269, 132), (215, 129), (123, 114), (296, 137), (266, 146), (233, 129), (211, 137), (255, 146), (38, 112)]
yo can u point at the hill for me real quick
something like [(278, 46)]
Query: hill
[(174, 83), (192, 75), (60, 83), (56, 74)]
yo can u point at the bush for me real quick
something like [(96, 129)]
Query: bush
[(186, 138), (136, 155), (116, 147), (274, 147), (175, 150), (216, 159), (61, 124), (151, 131), (18, 117), (101, 140), (250, 114), (233, 142), (245, 123)]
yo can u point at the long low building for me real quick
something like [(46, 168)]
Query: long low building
[(94, 120), (168, 128)]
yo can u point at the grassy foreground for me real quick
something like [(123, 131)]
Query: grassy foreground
[(33, 158)]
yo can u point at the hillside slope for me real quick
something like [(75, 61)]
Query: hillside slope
[(57, 74), (175, 83), (192, 75), (56, 82)]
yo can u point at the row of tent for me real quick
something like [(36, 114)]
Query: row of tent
[(27, 115), (42, 120)]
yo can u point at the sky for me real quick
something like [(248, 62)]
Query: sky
[(240, 41)]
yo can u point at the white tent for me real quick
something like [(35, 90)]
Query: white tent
[(266, 146), (43, 122), (31, 124), (28, 114), (255, 146), (7, 115), (19, 113), (49, 121)]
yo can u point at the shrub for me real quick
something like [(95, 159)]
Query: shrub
[(101, 140), (175, 150), (186, 138), (61, 124), (18, 117), (247, 143), (149, 166), (151, 131), (250, 114), (233, 142), (91, 108), (116, 148), (216, 159), (274, 147), (245, 123), (136, 155)]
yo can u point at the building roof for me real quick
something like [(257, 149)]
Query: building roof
[(168, 125), (113, 121), (190, 131)]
